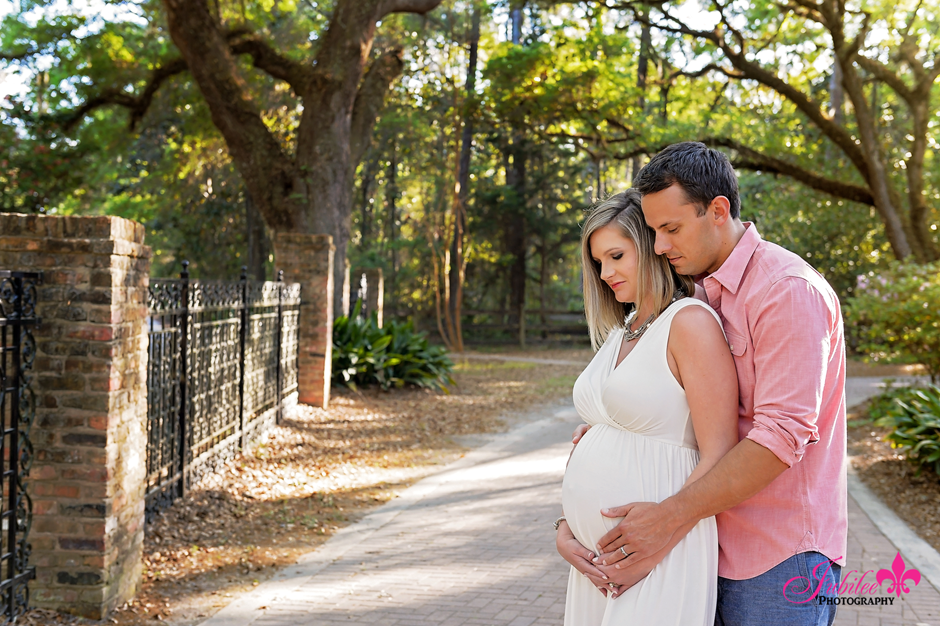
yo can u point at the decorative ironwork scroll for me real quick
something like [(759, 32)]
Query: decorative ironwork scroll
[(18, 298), (220, 355)]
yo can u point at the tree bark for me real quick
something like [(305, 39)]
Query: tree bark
[(457, 262), (515, 236), (268, 172), (878, 180), (258, 246), (367, 185), (391, 200), (642, 74)]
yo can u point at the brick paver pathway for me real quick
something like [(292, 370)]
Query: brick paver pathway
[(869, 549), (473, 545)]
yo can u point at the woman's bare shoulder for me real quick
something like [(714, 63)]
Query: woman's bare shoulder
[(696, 321)]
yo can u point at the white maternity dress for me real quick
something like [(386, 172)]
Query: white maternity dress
[(641, 448)]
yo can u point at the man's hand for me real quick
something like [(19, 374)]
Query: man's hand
[(579, 432), (626, 577), (646, 528), (580, 557)]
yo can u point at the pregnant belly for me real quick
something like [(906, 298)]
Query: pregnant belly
[(612, 467)]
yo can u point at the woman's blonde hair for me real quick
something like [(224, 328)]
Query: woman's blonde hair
[(656, 278)]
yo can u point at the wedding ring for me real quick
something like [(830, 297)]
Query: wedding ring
[(612, 585), (624, 552)]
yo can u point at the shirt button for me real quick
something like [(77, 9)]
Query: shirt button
[(731, 346)]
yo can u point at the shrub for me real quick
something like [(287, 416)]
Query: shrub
[(914, 420), (392, 356), (894, 314)]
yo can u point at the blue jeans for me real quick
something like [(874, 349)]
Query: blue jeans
[(786, 595)]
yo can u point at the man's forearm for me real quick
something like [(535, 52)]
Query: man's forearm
[(740, 474)]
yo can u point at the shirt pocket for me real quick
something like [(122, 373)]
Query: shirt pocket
[(737, 343)]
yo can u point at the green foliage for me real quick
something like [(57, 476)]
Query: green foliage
[(569, 94), (913, 415), (841, 239), (392, 356), (894, 313)]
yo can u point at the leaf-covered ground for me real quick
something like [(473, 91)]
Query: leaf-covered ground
[(319, 471), (911, 493)]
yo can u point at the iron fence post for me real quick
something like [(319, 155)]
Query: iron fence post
[(280, 323), (243, 333), (17, 290), (10, 594), (184, 375)]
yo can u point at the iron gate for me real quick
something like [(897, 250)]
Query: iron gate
[(222, 369), (17, 411)]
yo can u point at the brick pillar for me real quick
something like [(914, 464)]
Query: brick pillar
[(308, 260), (90, 383)]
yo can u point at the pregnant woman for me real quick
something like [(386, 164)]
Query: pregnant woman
[(660, 397)]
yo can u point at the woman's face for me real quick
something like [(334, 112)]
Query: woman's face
[(617, 258)]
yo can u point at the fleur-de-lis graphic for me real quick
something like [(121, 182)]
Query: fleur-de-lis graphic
[(898, 575)]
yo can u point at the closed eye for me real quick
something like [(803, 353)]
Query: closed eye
[(617, 256), (672, 230)]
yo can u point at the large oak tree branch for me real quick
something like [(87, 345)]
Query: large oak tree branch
[(406, 6), (267, 59), (269, 173), (18, 56), (370, 99), (755, 71), (264, 58), (750, 159), (886, 75), (137, 105)]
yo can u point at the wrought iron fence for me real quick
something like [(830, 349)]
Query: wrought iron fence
[(222, 369), (18, 299)]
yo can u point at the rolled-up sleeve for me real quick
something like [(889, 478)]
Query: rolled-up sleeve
[(791, 336)]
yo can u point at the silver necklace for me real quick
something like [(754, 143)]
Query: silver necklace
[(631, 335)]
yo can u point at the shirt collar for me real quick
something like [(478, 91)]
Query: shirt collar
[(731, 272)]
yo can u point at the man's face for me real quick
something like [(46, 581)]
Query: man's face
[(691, 243)]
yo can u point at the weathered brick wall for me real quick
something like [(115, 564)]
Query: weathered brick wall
[(308, 260), (90, 381)]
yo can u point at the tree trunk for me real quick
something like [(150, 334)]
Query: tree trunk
[(919, 212), (366, 199), (391, 200), (642, 75), (836, 94), (515, 226), (878, 179), (515, 235), (258, 245), (457, 262)]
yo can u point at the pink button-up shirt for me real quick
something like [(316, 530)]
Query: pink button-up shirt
[(784, 326)]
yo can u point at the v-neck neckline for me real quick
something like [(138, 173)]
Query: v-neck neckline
[(623, 332)]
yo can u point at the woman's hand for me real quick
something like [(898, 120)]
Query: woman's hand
[(627, 576), (580, 557), (579, 432)]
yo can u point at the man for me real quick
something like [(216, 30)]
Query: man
[(780, 494)]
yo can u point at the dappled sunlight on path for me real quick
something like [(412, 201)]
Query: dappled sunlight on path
[(470, 545)]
